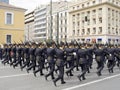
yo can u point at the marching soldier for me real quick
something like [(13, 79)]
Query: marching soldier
[(18, 56), (1, 50), (60, 63), (5, 54), (13, 54), (99, 57), (76, 47), (111, 58), (82, 57), (39, 59), (50, 58), (32, 58), (89, 57), (70, 58), (117, 55), (26, 56)]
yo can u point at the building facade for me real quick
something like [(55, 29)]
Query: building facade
[(11, 24), (95, 21), (5, 1), (29, 26), (60, 19), (59, 23), (40, 23)]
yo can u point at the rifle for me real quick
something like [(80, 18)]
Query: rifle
[(66, 44), (21, 41), (77, 44)]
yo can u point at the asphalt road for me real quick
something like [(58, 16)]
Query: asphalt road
[(15, 79)]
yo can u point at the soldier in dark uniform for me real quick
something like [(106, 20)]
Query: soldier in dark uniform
[(117, 55), (89, 57), (50, 58), (13, 54), (111, 58), (4, 53), (7, 54), (32, 58), (70, 58), (39, 58), (82, 57), (26, 56), (76, 47), (18, 56), (99, 57), (1, 50), (60, 63)]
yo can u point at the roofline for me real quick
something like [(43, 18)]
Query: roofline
[(8, 6), (29, 13), (105, 3)]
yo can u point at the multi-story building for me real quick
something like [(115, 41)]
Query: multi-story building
[(11, 23), (95, 21), (40, 23), (5, 1), (60, 18), (59, 22), (29, 26)]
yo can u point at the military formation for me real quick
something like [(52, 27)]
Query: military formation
[(62, 58)]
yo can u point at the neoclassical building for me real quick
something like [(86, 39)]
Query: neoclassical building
[(95, 21)]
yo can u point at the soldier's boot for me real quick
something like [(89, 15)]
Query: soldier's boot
[(41, 73), (67, 73), (34, 73), (79, 77), (112, 71), (71, 73), (62, 80), (83, 77), (99, 73), (54, 81), (46, 77), (77, 69)]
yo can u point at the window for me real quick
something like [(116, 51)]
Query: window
[(88, 31), (94, 30), (88, 4), (93, 2), (73, 17), (73, 8), (78, 23), (100, 30), (82, 5), (65, 21), (8, 39), (100, 20), (73, 32), (73, 25), (65, 29), (83, 31), (9, 18), (94, 21), (78, 31)]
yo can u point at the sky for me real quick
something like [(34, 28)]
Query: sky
[(29, 4)]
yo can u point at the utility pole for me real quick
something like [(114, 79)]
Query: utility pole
[(28, 34), (57, 37), (51, 30)]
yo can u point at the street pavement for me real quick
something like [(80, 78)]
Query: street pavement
[(15, 79)]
